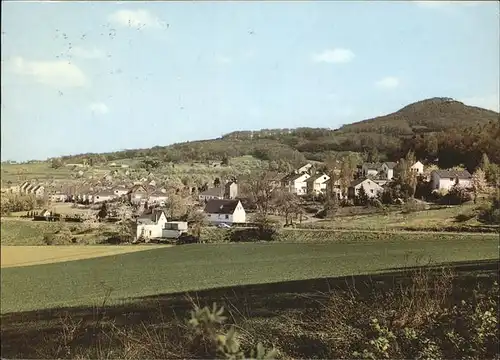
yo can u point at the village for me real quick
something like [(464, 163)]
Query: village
[(225, 204)]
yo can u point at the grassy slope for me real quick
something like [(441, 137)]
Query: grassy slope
[(434, 218), (197, 267)]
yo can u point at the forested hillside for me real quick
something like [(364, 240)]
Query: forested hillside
[(440, 130)]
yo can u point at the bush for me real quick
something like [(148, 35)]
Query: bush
[(456, 196), (413, 205), (491, 215)]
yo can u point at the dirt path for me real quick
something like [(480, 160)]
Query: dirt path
[(12, 256)]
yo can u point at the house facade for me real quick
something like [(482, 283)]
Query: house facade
[(158, 198), (225, 211), (370, 169), (138, 194), (296, 183), (120, 191), (372, 189), (386, 170), (231, 190), (151, 226), (317, 183), (446, 179), (102, 196), (418, 167)]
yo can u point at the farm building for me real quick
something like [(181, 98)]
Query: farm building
[(225, 211)]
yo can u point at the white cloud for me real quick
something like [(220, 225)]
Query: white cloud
[(490, 102), (338, 55), (223, 59), (99, 108), (84, 53), (389, 82), (135, 18), (53, 73)]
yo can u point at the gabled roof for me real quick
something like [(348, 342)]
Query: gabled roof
[(218, 191), (390, 164), (151, 218), (221, 206), (372, 166), (461, 174), (158, 193), (137, 187), (359, 181), (104, 193), (315, 177), (293, 177)]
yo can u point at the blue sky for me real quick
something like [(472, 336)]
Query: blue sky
[(99, 76)]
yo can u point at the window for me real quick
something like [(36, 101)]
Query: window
[(371, 190), (451, 179), (227, 216), (149, 232)]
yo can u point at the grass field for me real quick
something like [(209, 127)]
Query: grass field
[(14, 256), (25, 232), (197, 267), (394, 220)]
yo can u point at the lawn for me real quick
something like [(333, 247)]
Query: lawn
[(202, 266)]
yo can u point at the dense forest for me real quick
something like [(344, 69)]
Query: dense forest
[(439, 130)]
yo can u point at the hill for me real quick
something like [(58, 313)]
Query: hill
[(435, 128)]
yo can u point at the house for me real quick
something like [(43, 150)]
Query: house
[(158, 198), (120, 191), (316, 184), (174, 229), (418, 167), (386, 170), (446, 179), (58, 197), (102, 196), (231, 190), (23, 187), (304, 169), (137, 194), (225, 211), (370, 169), (372, 189), (38, 190), (336, 189), (150, 226), (44, 213), (211, 194), (296, 183), (156, 226)]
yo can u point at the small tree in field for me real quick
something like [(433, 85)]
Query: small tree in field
[(478, 182)]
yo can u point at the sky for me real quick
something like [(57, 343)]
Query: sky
[(82, 77)]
